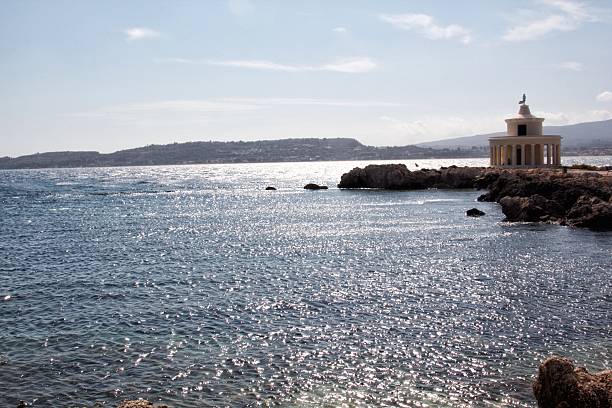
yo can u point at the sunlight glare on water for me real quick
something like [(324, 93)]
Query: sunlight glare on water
[(193, 286)]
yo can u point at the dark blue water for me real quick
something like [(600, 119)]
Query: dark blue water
[(194, 287)]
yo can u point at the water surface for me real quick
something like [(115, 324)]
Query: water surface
[(193, 286)]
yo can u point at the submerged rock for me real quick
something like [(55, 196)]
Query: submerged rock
[(313, 186), (474, 212), (560, 385)]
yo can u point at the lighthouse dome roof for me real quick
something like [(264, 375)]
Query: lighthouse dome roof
[(525, 112)]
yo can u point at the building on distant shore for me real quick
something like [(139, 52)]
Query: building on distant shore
[(525, 145)]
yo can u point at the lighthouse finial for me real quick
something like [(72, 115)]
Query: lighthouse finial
[(522, 102)]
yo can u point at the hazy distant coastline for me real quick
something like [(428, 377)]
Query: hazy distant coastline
[(591, 138), (284, 150)]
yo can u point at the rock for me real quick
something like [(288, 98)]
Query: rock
[(534, 208), (591, 212), (560, 385), (312, 186), (270, 188), (474, 212), (579, 199), (398, 177)]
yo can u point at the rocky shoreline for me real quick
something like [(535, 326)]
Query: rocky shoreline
[(576, 198)]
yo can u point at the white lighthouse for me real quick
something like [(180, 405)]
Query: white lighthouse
[(524, 145)]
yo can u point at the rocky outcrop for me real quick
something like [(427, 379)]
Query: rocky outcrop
[(534, 208), (591, 212), (560, 385), (313, 186), (398, 177), (579, 199), (474, 212)]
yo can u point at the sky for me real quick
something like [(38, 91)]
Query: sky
[(116, 74)]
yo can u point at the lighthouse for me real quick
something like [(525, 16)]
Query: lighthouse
[(524, 144)]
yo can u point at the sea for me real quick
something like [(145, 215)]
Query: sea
[(193, 286)]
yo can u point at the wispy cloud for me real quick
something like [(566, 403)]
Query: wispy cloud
[(558, 15), (432, 128), (347, 103), (140, 33), (349, 65), (568, 118), (356, 65), (575, 9), (240, 7), (254, 64), (539, 28), (605, 96), (340, 30), (572, 66), (170, 106), (426, 26), (228, 105)]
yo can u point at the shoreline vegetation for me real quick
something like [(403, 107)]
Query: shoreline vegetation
[(264, 151), (577, 198)]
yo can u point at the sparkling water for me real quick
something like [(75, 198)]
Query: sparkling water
[(193, 286)]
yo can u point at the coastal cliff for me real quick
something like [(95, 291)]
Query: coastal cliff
[(577, 198)]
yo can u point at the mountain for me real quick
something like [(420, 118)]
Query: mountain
[(284, 150), (580, 135)]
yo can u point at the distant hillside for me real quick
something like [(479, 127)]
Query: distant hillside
[(580, 135), (284, 150)]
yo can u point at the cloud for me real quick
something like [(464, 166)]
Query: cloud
[(554, 118), (574, 9), (350, 66), (432, 128), (356, 65), (572, 66), (170, 106), (240, 7), (539, 28), (559, 15), (340, 30), (425, 25), (255, 64), (227, 105), (569, 118), (605, 96), (348, 103), (600, 114), (140, 33), (439, 127)]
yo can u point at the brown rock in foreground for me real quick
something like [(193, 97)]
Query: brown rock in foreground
[(580, 199), (560, 385)]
